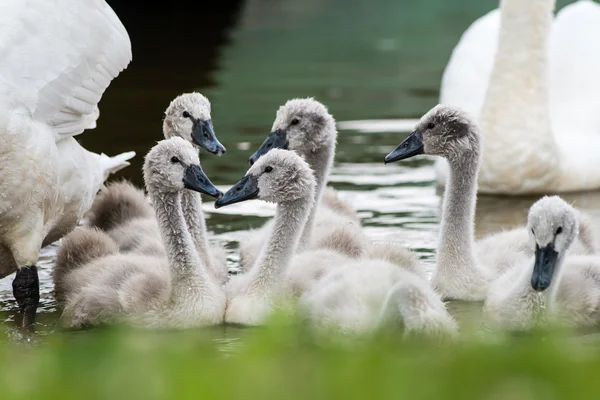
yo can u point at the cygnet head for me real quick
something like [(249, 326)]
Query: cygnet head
[(553, 225), (173, 165), (280, 176), (302, 125), (188, 117), (444, 131)]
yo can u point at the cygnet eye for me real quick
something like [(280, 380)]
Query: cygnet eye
[(295, 121), (174, 160), (532, 231), (185, 114), (559, 230), (268, 169), (430, 125)]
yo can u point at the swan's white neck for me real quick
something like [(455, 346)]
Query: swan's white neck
[(290, 220), (186, 268), (457, 270), (320, 162), (515, 119), (191, 203)]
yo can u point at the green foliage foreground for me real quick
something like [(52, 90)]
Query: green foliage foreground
[(283, 361)]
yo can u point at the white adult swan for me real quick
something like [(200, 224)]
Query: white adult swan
[(100, 286), (553, 286), (53, 73), (305, 126), (464, 268), (533, 84), (123, 212), (284, 178)]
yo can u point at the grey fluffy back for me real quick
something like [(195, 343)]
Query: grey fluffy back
[(77, 249), (119, 203), (342, 239)]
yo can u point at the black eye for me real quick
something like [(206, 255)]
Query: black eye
[(295, 121), (268, 168), (559, 230), (532, 231), (185, 114), (430, 125), (174, 160)]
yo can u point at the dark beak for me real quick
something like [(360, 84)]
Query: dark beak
[(195, 179), (543, 269), (275, 140), (204, 136), (246, 189), (411, 146)]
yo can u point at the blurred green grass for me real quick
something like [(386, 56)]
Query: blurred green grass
[(286, 361)]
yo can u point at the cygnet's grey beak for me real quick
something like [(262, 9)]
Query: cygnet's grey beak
[(543, 269), (245, 189), (195, 179), (204, 136), (276, 140), (411, 146)]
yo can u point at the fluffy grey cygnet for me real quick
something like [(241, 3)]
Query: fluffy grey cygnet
[(103, 286), (553, 285), (284, 178), (306, 127), (464, 268), (124, 213)]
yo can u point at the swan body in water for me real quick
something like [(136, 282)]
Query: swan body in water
[(531, 81), (52, 77)]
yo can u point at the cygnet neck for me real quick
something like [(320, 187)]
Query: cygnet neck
[(185, 266), (320, 162), (290, 219), (191, 204), (455, 254)]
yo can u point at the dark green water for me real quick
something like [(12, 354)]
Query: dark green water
[(366, 60)]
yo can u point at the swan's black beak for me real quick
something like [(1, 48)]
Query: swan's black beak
[(246, 189), (543, 269), (204, 136), (195, 179), (411, 146), (276, 140)]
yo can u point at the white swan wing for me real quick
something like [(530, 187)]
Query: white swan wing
[(574, 67), (57, 57), (467, 73)]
